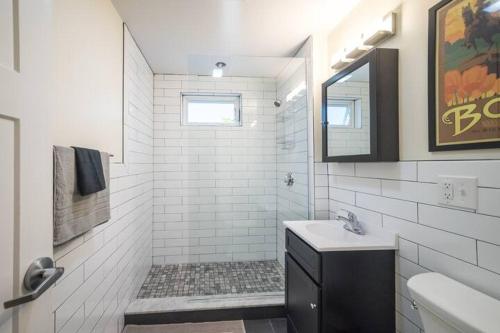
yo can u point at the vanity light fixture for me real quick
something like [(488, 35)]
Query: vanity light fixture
[(218, 70), (340, 60), (358, 51), (386, 28)]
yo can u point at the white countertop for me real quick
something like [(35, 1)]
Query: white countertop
[(330, 235)]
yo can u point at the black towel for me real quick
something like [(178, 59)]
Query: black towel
[(89, 172)]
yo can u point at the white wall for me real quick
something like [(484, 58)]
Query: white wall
[(88, 69), (411, 40), (215, 187), (105, 267)]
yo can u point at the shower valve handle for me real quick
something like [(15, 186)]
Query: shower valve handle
[(289, 179)]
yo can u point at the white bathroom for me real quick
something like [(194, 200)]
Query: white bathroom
[(249, 166)]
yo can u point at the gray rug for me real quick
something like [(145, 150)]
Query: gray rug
[(213, 327)]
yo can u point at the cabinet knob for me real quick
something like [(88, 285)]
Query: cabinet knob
[(313, 306)]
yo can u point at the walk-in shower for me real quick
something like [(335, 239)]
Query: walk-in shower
[(223, 186)]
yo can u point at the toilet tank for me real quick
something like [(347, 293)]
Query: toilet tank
[(448, 306)]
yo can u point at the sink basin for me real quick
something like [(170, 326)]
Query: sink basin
[(329, 230), (330, 235)]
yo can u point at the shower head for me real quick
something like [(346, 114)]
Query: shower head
[(277, 103)]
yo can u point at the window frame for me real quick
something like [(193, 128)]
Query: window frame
[(350, 104), (186, 98)]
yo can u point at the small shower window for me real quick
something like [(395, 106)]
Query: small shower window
[(210, 109), (344, 113)]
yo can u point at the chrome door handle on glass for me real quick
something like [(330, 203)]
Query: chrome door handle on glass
[(41, 274)]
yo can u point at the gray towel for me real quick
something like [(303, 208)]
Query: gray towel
[(75, 214)]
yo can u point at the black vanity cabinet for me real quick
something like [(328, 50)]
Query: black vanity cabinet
[(303, 299), (338, 291)]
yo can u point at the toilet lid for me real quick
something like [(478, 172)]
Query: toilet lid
[(457, 304)]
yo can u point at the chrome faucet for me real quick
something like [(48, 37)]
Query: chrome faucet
[(351, 222)]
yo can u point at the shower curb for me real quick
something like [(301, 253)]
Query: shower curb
[(206, 315)]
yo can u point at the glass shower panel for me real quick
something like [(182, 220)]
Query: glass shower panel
[(292, 149)]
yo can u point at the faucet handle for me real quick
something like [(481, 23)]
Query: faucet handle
[(350, 215), (351, 221)]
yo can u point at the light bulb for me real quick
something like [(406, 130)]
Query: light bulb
[(217, 72)]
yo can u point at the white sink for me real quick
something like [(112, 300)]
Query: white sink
[(330, 235)]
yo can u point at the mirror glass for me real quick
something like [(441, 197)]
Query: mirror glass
[(348, 114)]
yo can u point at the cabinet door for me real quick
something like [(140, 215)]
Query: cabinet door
[(302, 299)]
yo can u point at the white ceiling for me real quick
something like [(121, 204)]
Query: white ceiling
[(189, 36)]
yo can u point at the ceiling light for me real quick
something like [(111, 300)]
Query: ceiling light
[(218, 70)]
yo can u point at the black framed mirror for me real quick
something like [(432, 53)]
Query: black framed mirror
[(360, 110)]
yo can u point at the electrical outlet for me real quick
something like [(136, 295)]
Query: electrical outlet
[(447, 191), (460, 192)]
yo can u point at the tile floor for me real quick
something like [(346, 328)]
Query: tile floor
[(205, 279)]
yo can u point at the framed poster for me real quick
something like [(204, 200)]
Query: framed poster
[(464, 83)]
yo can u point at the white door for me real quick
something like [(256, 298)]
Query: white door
[(25, 158)]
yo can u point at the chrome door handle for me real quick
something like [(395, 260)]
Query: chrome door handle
[(41, 274)]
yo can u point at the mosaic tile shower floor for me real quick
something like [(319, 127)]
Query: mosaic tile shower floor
[(205, 279)]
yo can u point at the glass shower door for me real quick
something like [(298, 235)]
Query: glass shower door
[(292, 149)]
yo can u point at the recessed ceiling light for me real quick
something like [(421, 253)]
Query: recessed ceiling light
[(218, 70)]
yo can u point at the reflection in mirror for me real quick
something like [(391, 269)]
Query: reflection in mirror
[(348, 114)]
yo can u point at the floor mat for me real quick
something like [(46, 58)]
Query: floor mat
[(212, 327)]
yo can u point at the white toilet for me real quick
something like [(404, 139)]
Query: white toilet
[(447, 306)]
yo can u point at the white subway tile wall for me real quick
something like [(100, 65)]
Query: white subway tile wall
[(403, 197), (321, 192), (292, 154), (214, 186), (105, 268)]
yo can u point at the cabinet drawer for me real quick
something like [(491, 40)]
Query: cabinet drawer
[(303, 299), (306, 256)]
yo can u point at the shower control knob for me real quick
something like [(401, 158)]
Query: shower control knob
[(313, 306), (289, 179), (414, 305)]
